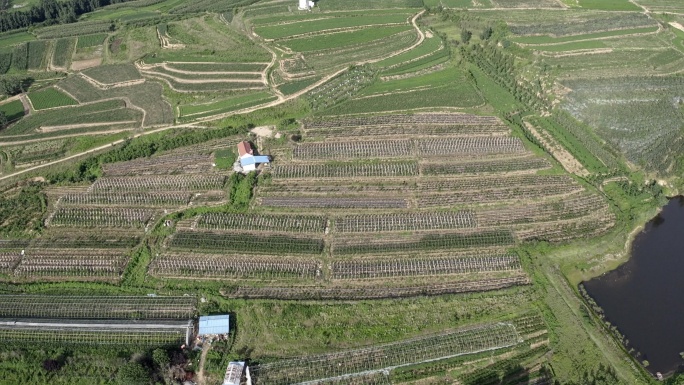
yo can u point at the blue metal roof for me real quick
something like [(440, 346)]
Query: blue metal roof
[(249, 160), (214, 324)]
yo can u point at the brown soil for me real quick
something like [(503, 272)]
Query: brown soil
[(79, 65), (115, 46)]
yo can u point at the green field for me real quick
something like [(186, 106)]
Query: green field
[(50, 98), (90, 40), (609, 5), (598, 35), (342, 39), (281, 31), (64, 48), (12, 110)]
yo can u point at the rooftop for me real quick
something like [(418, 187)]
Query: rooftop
[(249, 160), (214, 324)]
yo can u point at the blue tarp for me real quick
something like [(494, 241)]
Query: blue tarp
[(249, 160), (214, 324)]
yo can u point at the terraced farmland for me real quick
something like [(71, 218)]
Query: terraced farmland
[(374, 204)]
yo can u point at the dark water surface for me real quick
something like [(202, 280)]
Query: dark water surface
[(644, 297)]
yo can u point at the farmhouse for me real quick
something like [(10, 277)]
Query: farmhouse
[(248, 161)]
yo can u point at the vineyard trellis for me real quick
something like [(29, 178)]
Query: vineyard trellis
[(165, 164), (527, 164), (346, 170), (404, 222), (393, 244), (431, 119), (385, 268), (173, 183), (100, 217), (383, 357), (149, 337), (235, 266), (470, 145), (372, 292), (204, 241), (262, 222), (128, 198), (97, 307), (335, 203)]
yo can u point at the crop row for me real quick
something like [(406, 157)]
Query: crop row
[(413, 120), (334, 203), (497, 182), (160, 183), (408, 147), (570, 207), (374, 292), (528, 164), (471, 145), (96, 307), (450, 344), (404, 222), (90, 337), (388, 268), (235, 266), (407, 130), (168, 164), (581, 228), (8, 261), (534, 192), (127, 198), (262, 222), (78, 265), (394, 244), (365, 149), (346, 170), (245, 243), (100, 217)]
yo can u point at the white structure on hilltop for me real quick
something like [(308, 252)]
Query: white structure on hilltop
[(306, 5)]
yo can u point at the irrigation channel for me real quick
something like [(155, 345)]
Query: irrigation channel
[(644, 298)]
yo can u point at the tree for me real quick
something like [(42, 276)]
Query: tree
[(3, 120), (132, 374), (11, 85), (487, 33), (465, 36), (161, 358)]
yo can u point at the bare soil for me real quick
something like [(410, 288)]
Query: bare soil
[(79, 65)]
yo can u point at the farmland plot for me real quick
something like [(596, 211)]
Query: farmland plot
[(639, 116), (465, 341), (163, 164), (398, 267), (96, 307), (235, 266)]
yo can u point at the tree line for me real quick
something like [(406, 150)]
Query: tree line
[(49, 12)]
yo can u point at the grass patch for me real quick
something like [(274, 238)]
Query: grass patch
[(224, 159)]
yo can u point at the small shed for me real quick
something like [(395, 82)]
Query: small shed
[(214, 324), (234, 373), (249, 163)]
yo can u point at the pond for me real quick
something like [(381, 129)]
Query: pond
[(644, 298)]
